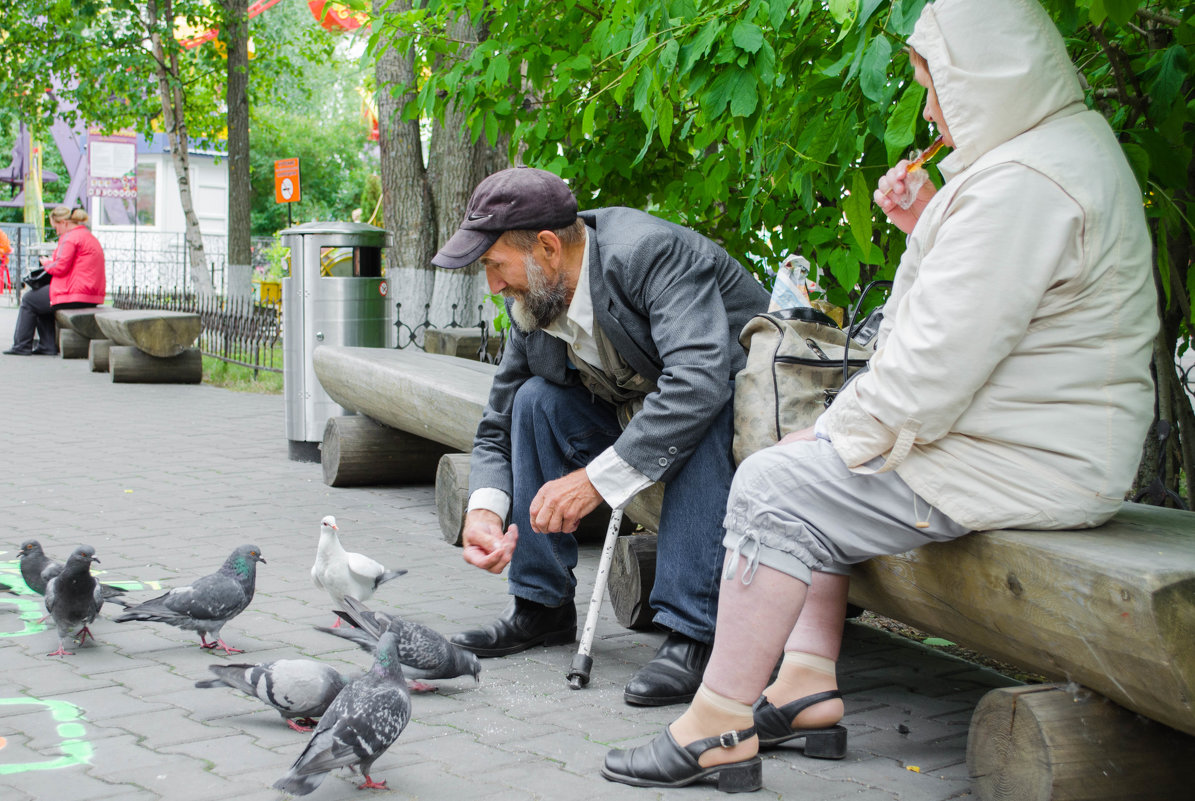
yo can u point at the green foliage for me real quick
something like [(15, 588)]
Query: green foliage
[(764, 123), (332, 163)]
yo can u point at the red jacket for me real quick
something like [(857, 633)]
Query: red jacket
[(77, 268)]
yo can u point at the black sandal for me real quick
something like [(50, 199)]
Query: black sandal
[(665, 763), (774, 725)]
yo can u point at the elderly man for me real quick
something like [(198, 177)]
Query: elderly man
[(618, 373)]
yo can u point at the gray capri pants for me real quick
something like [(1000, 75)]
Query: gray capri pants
[(797, 508)]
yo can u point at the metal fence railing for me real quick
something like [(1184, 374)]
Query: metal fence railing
[(240, 331)]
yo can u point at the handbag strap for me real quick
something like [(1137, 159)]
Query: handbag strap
[(851, 328)]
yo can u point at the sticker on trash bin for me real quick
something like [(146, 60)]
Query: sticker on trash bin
[(383, 288)]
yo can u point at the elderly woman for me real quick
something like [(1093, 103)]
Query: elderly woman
[(76, 281), (1010, 388)]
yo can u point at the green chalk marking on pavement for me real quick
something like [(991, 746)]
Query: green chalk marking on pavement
[(75, 750), (30, 606)]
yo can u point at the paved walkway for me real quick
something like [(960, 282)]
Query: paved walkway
[(164, 481)]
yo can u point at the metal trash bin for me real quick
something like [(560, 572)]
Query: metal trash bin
[(335, 295)]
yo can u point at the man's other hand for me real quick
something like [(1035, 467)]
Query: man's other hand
[(485, 544), (559, 505)]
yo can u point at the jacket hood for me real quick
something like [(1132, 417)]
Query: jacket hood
[(999, 68)]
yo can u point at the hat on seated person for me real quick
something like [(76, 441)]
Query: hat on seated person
[(515, 199)]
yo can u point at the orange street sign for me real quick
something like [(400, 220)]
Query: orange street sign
[(286, 181)]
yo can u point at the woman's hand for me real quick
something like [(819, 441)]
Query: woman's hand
[(891, 189)]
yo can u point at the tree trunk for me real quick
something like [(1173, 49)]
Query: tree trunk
[(407, 206), (235, 33), (456, 165), (424, 203), (170, 89)]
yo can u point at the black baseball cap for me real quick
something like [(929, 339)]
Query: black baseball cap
[(519, 198)]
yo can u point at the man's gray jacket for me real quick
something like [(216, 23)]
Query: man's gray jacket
[(672, 303)]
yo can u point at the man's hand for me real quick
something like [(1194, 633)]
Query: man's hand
[(485, 545), (892, 187), (559, 505), (804, 435)]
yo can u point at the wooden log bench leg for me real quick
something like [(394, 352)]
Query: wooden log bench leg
[(1052, 742), (632, 576), (72, 345), (129, 365), (97, 354), (357, 451), (452, 499)]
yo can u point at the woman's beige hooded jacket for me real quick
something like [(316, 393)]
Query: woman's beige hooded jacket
[(1011, 383)]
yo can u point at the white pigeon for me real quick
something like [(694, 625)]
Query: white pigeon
[(339, 572)]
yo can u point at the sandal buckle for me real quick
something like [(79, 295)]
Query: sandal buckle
[(728, 739)]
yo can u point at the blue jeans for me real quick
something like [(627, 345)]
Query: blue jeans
[(555, 430)]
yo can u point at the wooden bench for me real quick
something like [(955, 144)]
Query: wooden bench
[(152, 347), (1111, 610), (77, 329)]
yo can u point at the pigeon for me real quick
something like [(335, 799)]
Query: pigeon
[(6, 588), (37, 569), (208, 603), (300, 689), (74, 598), (341, 573), (364, 720), (423, 651)]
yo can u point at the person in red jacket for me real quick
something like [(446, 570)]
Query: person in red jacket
[(77, 281)]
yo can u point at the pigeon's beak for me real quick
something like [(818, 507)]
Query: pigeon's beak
[(95, 559), (261, 559)]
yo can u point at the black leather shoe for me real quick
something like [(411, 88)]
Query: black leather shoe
[(15, 352), (774, 725), (665, 763), (523, 625), (673, 674), (45, 352)]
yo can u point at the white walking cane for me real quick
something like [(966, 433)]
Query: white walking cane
[(578, 675)]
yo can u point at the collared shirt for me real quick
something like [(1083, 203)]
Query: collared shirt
[(614, 479)]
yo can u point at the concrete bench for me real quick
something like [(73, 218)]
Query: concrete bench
[(1109, 610), (152, 347)]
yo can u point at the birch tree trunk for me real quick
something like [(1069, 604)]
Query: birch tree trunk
[(170, 90), (235, 33)]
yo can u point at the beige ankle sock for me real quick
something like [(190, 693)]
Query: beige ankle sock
[(712, 714), (804, 674)]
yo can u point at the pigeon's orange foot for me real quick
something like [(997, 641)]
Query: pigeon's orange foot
[(370, 784), (418, 686), (297, 727), (61, 652)]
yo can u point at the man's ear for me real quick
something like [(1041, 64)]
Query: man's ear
[(552, 248)]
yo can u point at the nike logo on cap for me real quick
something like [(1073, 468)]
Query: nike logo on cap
[(475, 217)]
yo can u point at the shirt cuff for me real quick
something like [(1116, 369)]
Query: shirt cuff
[(492, 499), (615, 479), (819, 428)]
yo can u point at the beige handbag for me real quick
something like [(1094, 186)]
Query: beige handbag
[(797, 361)]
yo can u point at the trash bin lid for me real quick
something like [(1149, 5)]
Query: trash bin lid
[(369, 235)]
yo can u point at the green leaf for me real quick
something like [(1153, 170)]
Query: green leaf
[(937, 642), (695, 50), (1171, 72), (747, 36), (902, 124), (745, 98), (857, 207), (873, 76), (587, 117), (1139, 161), (843, 10), (1121, 11), (778, 11)]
